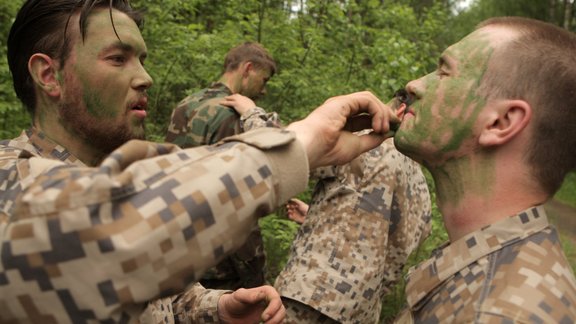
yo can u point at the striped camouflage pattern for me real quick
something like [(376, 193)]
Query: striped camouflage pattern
[(362, 224), (200, 120), (84, 244), (513, 271)]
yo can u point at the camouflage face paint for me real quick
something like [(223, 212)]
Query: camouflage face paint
[(441, 130), (446, 104), (104, 79)]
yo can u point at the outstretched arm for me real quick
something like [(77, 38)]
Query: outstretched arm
[(146, 217)]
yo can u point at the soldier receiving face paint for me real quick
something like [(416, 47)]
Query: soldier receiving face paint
[(494, 124)]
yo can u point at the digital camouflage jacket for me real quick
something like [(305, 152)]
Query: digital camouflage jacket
[(199, 119), (82, 244), (365, 219), (513, 271)]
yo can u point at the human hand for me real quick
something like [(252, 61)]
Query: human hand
[(239, 102), (251, 306), (326, 132), (296, 210)]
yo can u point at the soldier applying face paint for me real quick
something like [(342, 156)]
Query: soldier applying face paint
[(97, 225)]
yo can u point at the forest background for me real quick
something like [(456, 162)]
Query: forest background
[(323, 48)]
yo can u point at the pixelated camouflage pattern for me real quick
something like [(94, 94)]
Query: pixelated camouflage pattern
[(200, 120), (257, 118), (362, 224), (296, 312), (513, 271), (196, 305), (80, 244)]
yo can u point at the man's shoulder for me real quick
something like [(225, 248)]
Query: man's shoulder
[(205, 103), (534, 271), (209, 96)]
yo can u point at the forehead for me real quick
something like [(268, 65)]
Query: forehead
[(101, 28), (481, 43)]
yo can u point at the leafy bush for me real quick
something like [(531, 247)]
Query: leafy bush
[(278, 233), (567, 193)]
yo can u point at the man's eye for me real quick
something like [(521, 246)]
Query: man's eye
[(118, 59), (441, 73)]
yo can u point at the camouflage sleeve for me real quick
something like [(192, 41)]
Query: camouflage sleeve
[(146, 223), (257, 118), (202, 123), (195, 305)]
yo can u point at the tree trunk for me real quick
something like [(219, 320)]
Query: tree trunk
[(552, 11), (567, 14)]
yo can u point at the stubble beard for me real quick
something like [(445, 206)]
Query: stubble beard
[(97, 132)]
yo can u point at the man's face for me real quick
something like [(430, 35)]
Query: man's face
[(255, 84), (103, 97), (442, 120)]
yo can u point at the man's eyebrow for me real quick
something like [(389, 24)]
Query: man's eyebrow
[(446, 61), (442, 61), (125, 47)]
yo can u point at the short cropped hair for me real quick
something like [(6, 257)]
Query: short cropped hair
[(252, 52), (539, 66)]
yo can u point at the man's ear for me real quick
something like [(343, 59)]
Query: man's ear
[(505, 120), (246, 67), (43, 70)]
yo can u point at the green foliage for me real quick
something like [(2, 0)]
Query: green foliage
[(278, 234), (13, 116), (567, 193), (324, 48)]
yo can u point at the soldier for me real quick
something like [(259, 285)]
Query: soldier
[(219, 111), (365, 219), (96, 226), (203, 119), (494, 124)]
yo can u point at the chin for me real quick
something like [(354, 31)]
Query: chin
[(138, 133)]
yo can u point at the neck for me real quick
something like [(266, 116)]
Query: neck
[(47, 121), (480, 190), (232, 80)]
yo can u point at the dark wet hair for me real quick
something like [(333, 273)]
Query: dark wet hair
[(41, 27)]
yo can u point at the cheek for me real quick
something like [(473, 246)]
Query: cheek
[(103, 97)]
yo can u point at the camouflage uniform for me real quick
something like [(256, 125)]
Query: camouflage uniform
[(510, 271), (365, 218), (199, 119), (84, 244)]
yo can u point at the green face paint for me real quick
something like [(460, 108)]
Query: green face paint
[(447, 102), (441, 129), (104, 81)]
